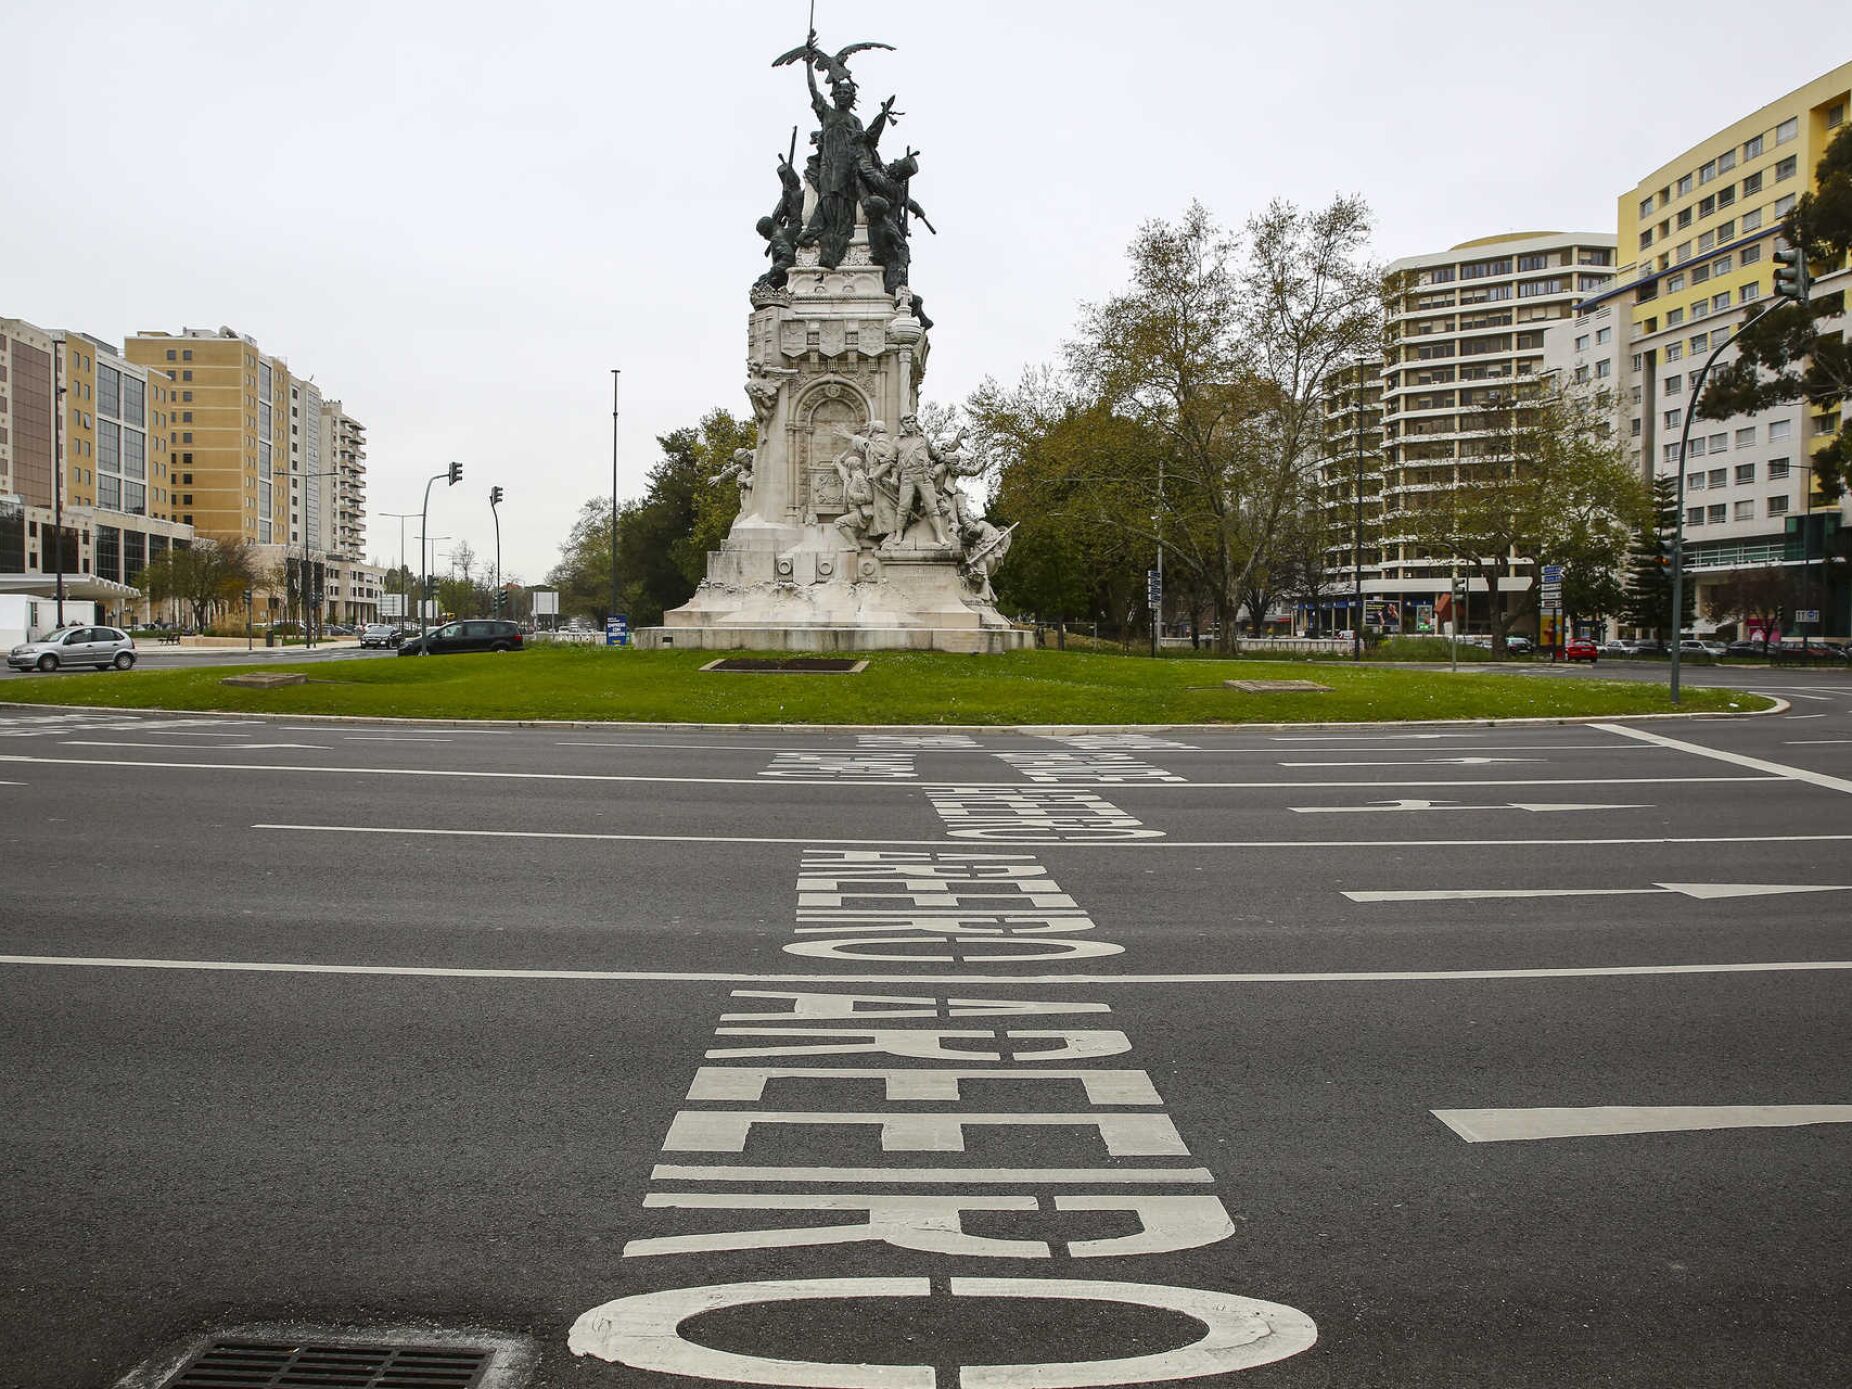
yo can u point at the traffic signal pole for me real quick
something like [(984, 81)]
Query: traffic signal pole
[(495, 500), (453, 475), (1678, 518)]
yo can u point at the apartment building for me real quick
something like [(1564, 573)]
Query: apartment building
[(1702, 230), (1349, 502), (344, 446), (222, 444), (69, 400), (1464, 339)]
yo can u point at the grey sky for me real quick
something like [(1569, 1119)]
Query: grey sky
[(458, 217)]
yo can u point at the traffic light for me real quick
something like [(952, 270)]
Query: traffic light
[(495, 496), (1791, 280), (456, 473)]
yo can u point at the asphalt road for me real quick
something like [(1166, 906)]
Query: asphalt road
[(148, 657), (1348, 1057)]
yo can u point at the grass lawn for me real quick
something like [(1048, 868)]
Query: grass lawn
[(1033, 687)]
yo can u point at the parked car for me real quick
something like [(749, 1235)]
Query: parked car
[(1692, 646), (1519, 646), (477, 634), (1580, 649), (1803, 652), (75, 646), (1745, 648), (379, 634), (1650, 647), (1620, 646)]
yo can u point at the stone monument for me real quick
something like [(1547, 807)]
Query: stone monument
[(853, 531)]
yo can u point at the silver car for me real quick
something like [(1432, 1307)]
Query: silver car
[(75, 646)]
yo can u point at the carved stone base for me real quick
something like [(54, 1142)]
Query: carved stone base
[(820, 594)]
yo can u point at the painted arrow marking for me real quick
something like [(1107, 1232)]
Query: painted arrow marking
[(1701, 891), (1375, 807), (1512, 1125), (1421, 762)]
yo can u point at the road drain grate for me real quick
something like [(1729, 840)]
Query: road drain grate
[(272, 1365)]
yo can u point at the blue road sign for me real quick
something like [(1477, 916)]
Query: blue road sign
[(617, 630)]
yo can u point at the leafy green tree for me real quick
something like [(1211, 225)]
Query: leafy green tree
[(1547, 484), (1759, 596), (662, 537), (1648, 601), (1069, 472), (205, 576), (1789, 354)]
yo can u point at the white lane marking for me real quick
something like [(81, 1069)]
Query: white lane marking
[(1824, 699), (1791, 717), (793, 781), (1056, 843), (391, 738), (934, 1176), (1421, 762), (1509, 1125), (1704, 892), (1055, 980), (169, 747), (1535, 807), (1339, 737), (1180, 748), (1815, 742), (1735, 759)]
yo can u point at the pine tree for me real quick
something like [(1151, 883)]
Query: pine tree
[(1649, 567)]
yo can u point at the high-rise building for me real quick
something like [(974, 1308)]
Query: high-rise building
[(1348, 498), (307, 484), (1463, 344), (69, 398), (344, 447), (223, 441), (1701, 229)]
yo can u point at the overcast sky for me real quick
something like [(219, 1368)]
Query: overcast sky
[(458, 217)]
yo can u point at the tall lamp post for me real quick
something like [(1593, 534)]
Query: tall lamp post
[(57, 475), (495, 501), (404, 574), (451, 475), (1356, 539), (616, 372)]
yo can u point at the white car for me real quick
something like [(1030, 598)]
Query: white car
[(102, 647)]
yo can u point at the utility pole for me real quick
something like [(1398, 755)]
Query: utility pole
[(616, 372)]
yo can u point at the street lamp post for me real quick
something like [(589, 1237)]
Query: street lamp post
[(404, 574), (616, 372), (57, 477), (452, 475), (1356, 540)]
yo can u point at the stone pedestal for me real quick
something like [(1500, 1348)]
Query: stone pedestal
[(829, 353)]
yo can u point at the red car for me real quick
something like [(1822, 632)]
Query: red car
[(1580, 649)]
